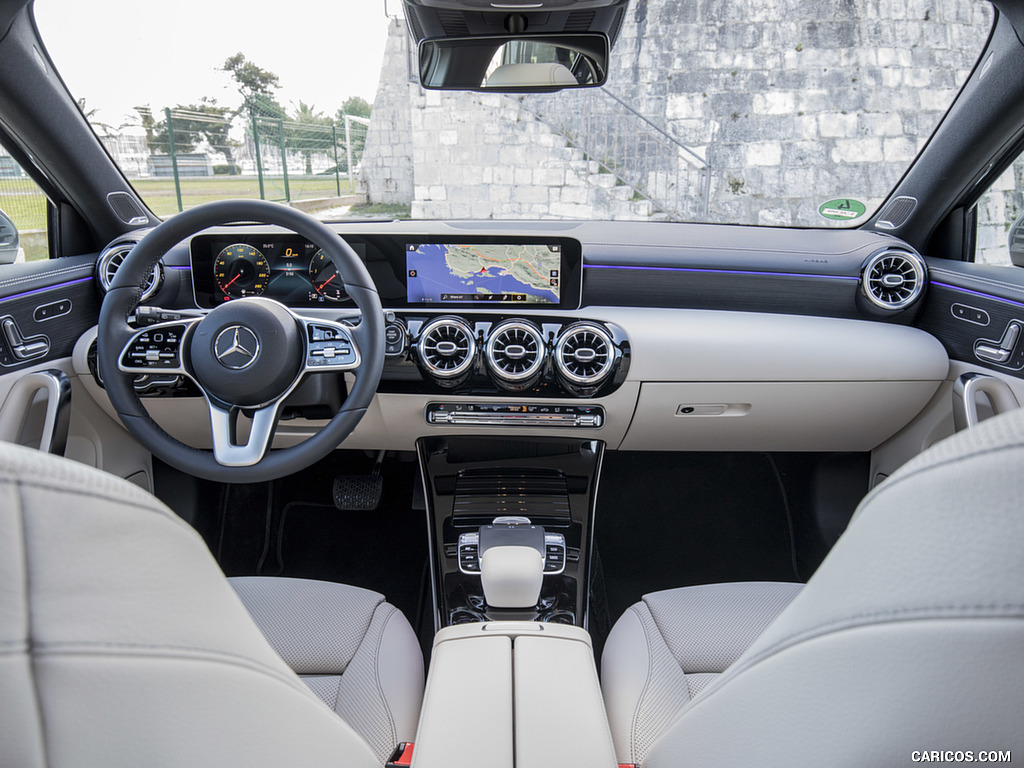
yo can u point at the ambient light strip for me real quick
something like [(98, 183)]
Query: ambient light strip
[(700, 270), (34, 291)]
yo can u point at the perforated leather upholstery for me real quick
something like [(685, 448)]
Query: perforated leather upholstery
[(907, 638), (121, 643), (670, 646), (356, 652)]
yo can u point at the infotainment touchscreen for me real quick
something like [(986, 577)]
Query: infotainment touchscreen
[(442, 273)]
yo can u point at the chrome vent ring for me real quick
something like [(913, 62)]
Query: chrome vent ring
[(447, 347), (113, 257), (584, 354), (893, 279), (515, 351)]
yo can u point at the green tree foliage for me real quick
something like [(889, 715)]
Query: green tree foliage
[(309, 132), (257, 86), (354, 105), (357, 107)]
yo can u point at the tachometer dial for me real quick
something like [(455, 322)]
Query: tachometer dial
[(325, 277), (241, 270)]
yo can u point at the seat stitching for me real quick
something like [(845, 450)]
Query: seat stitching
[(30, 645), (98, 648), (898, 480), (647, 682), (84, 268), (376, 673), (859, 621), (145, 502), (978, 279)]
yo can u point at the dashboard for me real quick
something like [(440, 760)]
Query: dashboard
[(646, 336)]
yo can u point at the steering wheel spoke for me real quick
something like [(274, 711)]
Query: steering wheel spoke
[(330, 347), (227, 449), (157, 348)]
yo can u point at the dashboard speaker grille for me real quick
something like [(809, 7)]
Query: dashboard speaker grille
[(1016, 242), (893, 279), (579, 21), (446, 347), (127, 209), (584, 354), (454, 23), (113, 257), (515, 351), (896, 212)]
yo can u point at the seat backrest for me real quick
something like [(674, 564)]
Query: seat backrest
[(909, 637), (122, 644)]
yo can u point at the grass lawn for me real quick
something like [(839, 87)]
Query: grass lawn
[(160, 197), (22, 200)]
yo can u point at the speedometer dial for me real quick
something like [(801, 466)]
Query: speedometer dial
[(241, 270), (325, 278)]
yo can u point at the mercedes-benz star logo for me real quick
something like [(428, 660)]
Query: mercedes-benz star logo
[(236, 347)]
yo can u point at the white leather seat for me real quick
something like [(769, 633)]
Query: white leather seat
[(909, 637), (122, 644)]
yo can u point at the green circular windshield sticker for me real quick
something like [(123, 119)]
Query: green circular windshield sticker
[(842, 209)]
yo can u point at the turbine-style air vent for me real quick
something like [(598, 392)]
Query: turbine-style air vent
[(893, 279), (584, 354), (515, 351), (113, 257), (446, 347)]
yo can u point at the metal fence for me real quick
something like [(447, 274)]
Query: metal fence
[(674, 177), (182, 157)]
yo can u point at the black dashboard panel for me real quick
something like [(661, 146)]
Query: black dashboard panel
[(970, 311), (425, 271)]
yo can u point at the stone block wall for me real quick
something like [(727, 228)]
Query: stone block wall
[(793, 102), (386, 169), (799, 101)]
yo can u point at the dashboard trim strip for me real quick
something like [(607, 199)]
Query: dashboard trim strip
[(719, 271)]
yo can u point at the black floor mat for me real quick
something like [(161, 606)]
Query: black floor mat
[(669, 520), (305, 536)]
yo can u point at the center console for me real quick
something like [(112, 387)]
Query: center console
[(506, 694), (490, 503)]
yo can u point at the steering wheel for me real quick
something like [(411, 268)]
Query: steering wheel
[(246, 355)]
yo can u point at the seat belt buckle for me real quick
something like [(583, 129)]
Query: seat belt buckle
[(401, 757)]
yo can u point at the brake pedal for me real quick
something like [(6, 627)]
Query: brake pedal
[(359, 493)]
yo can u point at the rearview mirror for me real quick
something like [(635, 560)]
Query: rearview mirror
[(514, 63)]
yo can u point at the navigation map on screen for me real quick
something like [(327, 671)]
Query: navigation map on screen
[(445, 272)]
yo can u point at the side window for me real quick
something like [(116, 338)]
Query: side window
[(1000, 237), (22, 215)]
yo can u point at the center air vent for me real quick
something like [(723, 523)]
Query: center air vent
[(515, 351), (446, 347), (584, 354), (893, 279), (113, 257)]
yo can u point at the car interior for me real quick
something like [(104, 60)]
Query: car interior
[(276, 492)]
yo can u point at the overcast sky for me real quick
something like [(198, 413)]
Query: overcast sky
[(119, 53)]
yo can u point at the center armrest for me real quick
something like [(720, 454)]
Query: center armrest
[(499, 684)]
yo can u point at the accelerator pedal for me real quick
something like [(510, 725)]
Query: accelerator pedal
[(359, 493)]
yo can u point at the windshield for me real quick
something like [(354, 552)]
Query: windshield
[(783, 113)]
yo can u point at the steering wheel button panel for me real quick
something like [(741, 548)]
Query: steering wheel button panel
[(157, 348), (330, 346)]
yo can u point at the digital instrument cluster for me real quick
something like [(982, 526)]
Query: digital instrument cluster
[(286, 268), (410, 271)]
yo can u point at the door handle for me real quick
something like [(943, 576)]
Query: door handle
[(17, 407), (965, 398)]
